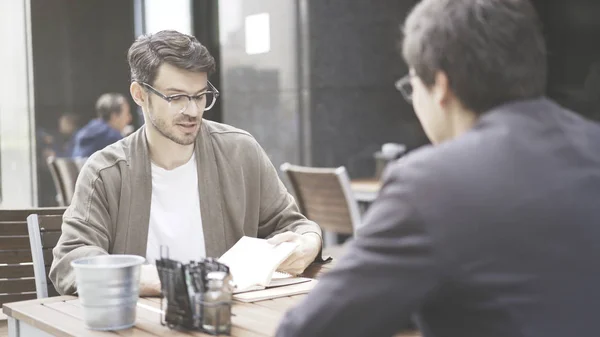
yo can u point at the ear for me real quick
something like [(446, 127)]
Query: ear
[(441, 89), (138, 93)]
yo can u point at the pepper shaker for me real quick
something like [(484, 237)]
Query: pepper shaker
[(217, 299)]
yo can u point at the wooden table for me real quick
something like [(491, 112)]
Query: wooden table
[(62, 316), (365, 190)]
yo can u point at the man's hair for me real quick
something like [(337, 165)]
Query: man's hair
[(109, 104), (183, 51), (492, 51)]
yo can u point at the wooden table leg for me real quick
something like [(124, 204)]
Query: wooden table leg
[(18, 328), (13, 327)]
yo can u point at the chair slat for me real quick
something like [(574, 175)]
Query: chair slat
[(50, 222), (8, 228), (9, 298), (16, 271), (50, 239), (22, 256), (17, 285), (14, 242), (47, 222), (332, 208), (22, 214)]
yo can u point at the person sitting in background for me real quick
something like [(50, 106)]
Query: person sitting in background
[(492, 231), (68, 124), (113, 116)]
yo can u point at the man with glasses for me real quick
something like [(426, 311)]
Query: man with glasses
[(180, 182), (493, 230)]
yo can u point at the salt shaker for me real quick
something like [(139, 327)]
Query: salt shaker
[(216, 316)]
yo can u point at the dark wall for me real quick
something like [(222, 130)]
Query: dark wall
[(572, 30), (354, 63), (79, 53)]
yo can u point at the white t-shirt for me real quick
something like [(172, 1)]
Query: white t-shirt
[(175, 219)]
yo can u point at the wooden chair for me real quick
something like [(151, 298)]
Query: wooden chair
[(64, 173), (324, 196), (17, 276)]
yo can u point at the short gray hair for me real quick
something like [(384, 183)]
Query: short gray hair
[(109, 104)]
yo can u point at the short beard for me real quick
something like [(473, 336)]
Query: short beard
[(163, 129)]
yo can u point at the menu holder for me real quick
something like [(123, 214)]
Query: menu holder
[(182, 291)]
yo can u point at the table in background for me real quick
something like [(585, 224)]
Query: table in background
[(62, 316), (365, 190)]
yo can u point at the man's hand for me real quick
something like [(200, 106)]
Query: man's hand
[(149, 281), (309, 245)]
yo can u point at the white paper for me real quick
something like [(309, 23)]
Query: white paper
[(253, 261)]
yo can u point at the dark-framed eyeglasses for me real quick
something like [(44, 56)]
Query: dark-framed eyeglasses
[(179, 103), (405, 87)]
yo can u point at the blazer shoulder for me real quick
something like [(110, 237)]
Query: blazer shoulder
[(230, 138), (219, 129)]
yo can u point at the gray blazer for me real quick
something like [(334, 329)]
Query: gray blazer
[(494, 234)]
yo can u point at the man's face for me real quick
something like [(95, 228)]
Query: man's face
[(180, 127), (429, 109), (66, 126)]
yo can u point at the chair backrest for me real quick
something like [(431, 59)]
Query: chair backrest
[(44, 232), (58, 185), (17, 277), (324, 196), (64, 173)]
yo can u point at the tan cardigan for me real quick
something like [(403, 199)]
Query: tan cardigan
[(240, 194)]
